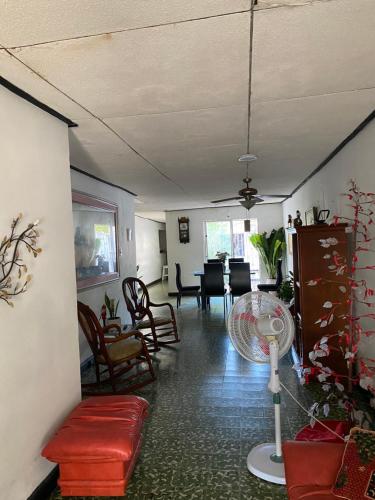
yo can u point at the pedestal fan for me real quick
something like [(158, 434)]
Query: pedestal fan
[(261, 329)]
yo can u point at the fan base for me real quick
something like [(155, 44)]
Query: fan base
[(260, 464)]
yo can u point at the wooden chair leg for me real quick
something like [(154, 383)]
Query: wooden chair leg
[(148, 359), (198, 300), (112, 378), (97, 371)]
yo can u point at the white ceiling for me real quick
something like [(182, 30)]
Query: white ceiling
[(159, 88)]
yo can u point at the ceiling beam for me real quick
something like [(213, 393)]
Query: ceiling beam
[(29, 98)]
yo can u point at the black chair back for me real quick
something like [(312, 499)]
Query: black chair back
[(212, 261), (178, 277), (236, 259), (214, 279), (279, 274), (240, 281)]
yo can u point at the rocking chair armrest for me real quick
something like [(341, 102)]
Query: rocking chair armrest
[(162, 305), (123, 336), (165, 304), (159, 305), (110, 327)]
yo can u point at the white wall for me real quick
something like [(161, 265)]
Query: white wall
[(39, 360), (149, 258), (324, 190), (94, 296), (191, 255)]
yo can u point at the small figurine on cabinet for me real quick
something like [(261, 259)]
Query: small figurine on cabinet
[(183, 229), (290, 221), (297, 221)]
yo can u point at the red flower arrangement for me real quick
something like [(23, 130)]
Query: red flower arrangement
[(358, 302)]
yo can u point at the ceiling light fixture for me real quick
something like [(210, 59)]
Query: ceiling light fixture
[(247, 158), (247, 203)]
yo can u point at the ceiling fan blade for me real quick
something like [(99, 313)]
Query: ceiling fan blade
[(275, 195), (257, 199), (228, 199)]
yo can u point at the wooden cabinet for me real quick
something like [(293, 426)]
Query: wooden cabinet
[(318, 251)]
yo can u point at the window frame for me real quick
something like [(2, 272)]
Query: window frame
[(231, 221)]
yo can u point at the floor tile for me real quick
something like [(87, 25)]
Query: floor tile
[(208, 408)]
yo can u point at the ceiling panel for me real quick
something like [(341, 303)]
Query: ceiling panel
[(18, 74), (56, 20), (293, 137), (159, 136), (188, 66), (95, 149), (261, 4), (178, 93), (323, 47)]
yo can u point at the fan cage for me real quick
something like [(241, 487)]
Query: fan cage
[(242, 330)]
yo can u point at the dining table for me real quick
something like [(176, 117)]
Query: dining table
[(200, 274)]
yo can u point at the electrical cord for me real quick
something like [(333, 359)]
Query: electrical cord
[(307, 411)]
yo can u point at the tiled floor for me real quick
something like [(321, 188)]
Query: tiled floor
[(208, 408)]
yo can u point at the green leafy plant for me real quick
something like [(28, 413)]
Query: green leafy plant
[(270, 248), (222, 255), (112, 306), (286, 290)]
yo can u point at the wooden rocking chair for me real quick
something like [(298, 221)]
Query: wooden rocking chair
[(139, 304), (120, 354)]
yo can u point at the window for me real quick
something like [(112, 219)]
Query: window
[(229, 236)]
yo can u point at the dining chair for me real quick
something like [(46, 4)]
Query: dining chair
[(239, 279), (274, 287), (236, 259), (118, 355), (213, 261), (214, 282), (185, 290), (139, 305)]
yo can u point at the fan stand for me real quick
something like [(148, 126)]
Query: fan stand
[(265, 460)]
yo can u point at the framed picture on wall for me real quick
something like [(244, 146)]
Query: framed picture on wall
[(95, 240), (311, 216)]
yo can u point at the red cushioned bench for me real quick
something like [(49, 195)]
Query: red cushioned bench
[(97, 445)]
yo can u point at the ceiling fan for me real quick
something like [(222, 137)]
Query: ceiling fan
[(247, 196)]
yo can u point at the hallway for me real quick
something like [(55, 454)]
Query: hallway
[(208, 408)]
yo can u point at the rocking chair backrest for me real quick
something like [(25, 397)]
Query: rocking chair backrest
[(92, 329), (138, 304)]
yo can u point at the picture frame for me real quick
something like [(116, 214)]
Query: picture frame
[(95, 240), (311, 216)]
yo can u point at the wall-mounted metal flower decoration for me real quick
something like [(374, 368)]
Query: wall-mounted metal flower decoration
[(14, 277)]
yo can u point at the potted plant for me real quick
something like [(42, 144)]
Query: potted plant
[(286, 290), (270, 248), (112, 307), (222, 256)]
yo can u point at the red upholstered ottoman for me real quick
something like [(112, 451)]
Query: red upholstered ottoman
[(97, 445), (311, 468)]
